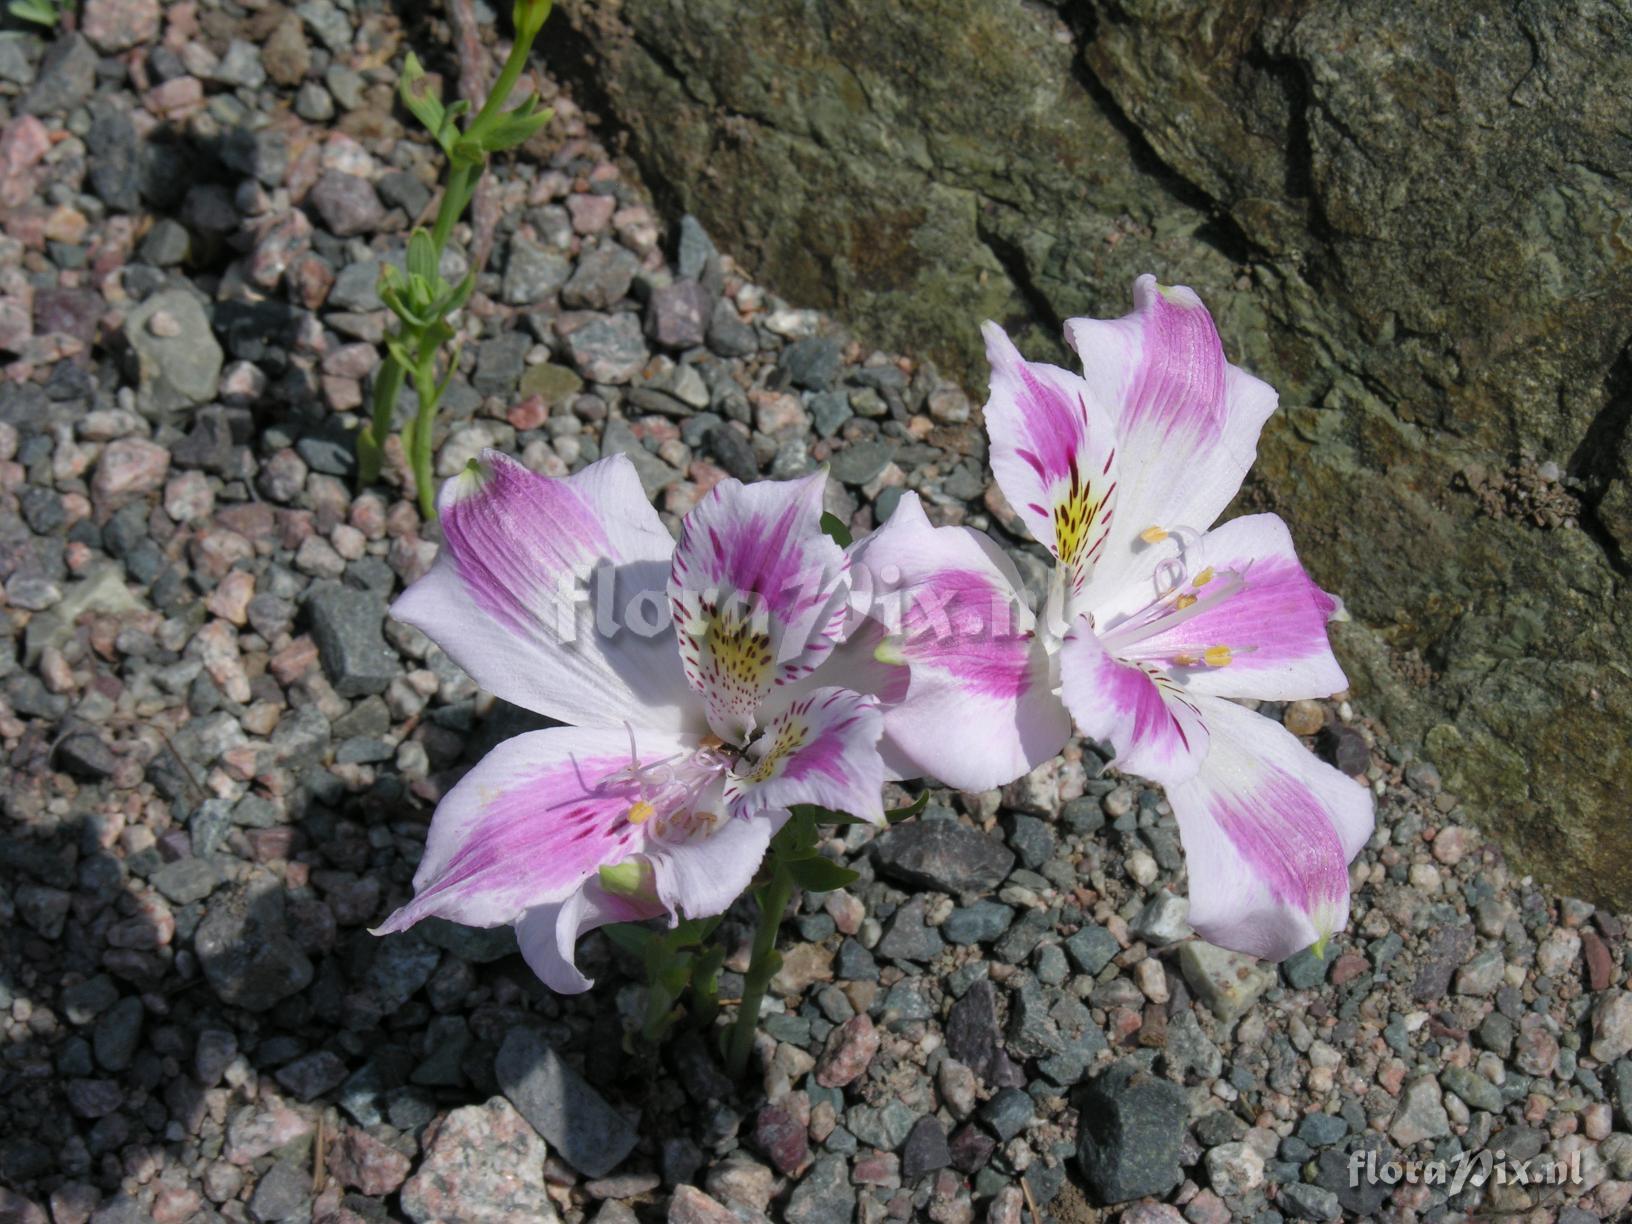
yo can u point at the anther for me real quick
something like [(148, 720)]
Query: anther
[(1217, 656), (1153, 535)]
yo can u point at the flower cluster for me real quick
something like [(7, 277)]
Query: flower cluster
[(709, 687)]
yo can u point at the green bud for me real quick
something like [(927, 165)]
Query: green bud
[(529, 16), (631, 878)]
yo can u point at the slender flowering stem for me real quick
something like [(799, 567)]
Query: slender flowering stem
[(423, 327), (773, 897)]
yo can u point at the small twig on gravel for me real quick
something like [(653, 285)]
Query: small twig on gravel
[(474, 79), (319, 1173), (1031, 1203)]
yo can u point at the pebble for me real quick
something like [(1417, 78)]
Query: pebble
[(484, 1164), (572, 1117), (1132, 1125)]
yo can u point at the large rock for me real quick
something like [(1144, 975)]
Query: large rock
[(1409, 218)]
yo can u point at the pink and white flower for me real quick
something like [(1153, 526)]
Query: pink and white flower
[(684, 748), (1150, 625)]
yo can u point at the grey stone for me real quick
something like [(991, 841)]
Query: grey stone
[(180, 368), (1303, 1201), (981, 922), (284, 1192), (824, 1195), (602, 279), (1322, 1129), (943, 855), (346, 626), (1092, 948), (908, 938), (655, 475), (66, 78), (1226, 981), (677, 315), (115, 171), (1007, 1113), (925, 1150), (811, 363), (1475, 1089), (1189, 1049), (500, 363), (347, 204), (117, 1033), (608, 349), (84, 1001), (244, 948), (572, 1117), (533, 274), (972, 1035), (1131, 1126), (859, 462)]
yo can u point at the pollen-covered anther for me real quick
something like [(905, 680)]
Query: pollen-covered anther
[(640, 812), (1218, 656), (1203, 578), (1153, 535)]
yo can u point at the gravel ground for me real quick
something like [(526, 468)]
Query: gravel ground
[(220, 757)]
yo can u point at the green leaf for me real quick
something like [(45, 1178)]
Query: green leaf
[(515, 127), (41, 12), (912, 809), (836, 528), (817, 874), (422, 261), (631, 937), (418, 96)]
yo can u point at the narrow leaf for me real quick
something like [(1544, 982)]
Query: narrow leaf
[(419, 98), (912, 809), (422, 261), (818, 874)]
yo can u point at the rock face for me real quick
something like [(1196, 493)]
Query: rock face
[(1409, 218)]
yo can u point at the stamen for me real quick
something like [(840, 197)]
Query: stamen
[(640, 812), (1183, 602), (1203, 578), (1217, 656), (1153, 535)]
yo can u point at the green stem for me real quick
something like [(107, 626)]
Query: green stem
[(424, 426), (773, 899), (462, 180)]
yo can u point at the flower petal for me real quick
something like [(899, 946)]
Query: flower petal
[(1186, 421), (534, 820), (1138, 709), (822, 749), (1240, 618), (978, 710), (549, 934), (702, 877), (1053, 453), (550, 593), (759, 594), (1269, 832)]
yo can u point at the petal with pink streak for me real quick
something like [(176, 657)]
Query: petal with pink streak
[(549, 934), (759, 594), (1186, 421), (550, 593), (822, 749), (1053, 453), (1157, 731), (1239, 618), (1269, 832), (534, 820), (945, 604)]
